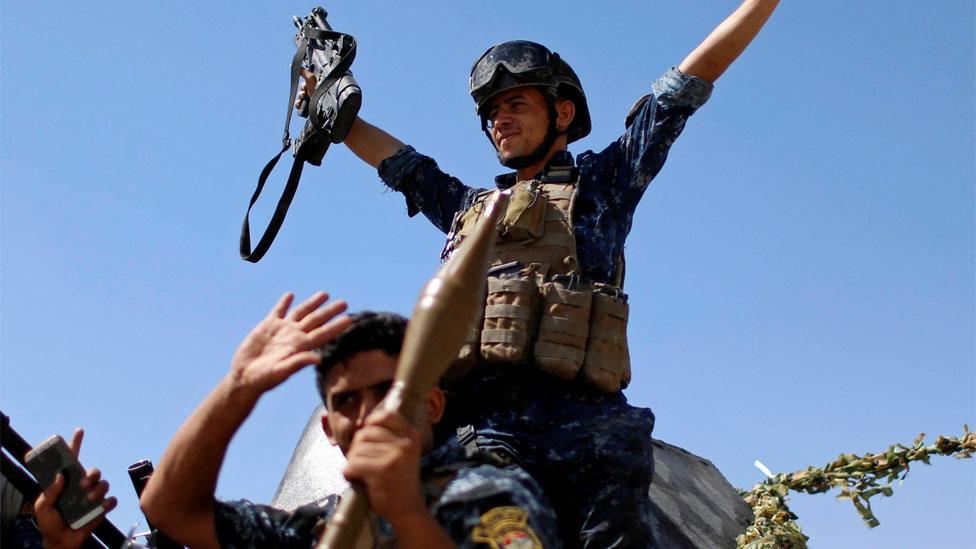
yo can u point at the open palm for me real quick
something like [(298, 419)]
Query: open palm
[(283, 343)]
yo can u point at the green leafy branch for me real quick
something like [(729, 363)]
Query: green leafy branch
[(859, 478)]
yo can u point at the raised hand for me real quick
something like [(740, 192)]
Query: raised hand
[(284, 342), (717, 52), (305, 89)]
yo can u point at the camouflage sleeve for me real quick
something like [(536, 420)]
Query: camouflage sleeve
[(489, 506), (653, 123), (426, 188), (22, 533), (241, 524)]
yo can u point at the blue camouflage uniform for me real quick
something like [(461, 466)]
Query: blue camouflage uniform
[(477, 504), (22, 533), (590, 451)]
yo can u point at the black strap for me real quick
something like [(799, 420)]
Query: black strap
[(296, 71), (322, 34), (291, 187)]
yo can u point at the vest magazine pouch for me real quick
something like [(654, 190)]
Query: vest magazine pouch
[(561, 342), (511, 313), (525, 215), (607, 362)]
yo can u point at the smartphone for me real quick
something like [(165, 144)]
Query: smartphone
[(51, 457)]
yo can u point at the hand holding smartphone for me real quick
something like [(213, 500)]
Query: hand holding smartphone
[(51, 457)]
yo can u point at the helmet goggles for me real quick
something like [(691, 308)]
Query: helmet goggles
[(520, 58)]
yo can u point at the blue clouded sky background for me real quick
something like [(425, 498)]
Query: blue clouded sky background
[(801, 272)]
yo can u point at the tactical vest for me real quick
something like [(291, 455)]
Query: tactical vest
[(538, 310)]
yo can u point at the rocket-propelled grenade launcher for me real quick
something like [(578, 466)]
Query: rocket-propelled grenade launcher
[(442, 317)]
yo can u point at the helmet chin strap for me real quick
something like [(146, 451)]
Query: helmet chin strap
[(539, 153)]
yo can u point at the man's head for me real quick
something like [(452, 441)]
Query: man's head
[(531, 68), (357, 369), (520, 119)]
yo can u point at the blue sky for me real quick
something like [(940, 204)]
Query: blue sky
[(801, 272)]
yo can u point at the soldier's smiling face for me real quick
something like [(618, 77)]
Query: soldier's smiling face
[(519, 120)]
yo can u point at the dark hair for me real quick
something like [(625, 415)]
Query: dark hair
[(369, 331)]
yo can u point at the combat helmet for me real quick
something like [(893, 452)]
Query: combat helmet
[(522, 63)]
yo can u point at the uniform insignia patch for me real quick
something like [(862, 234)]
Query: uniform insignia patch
[(506, 528)]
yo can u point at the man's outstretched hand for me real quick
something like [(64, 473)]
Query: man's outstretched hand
[(284, 342)]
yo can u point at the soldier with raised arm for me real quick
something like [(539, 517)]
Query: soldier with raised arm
[(541, 377)]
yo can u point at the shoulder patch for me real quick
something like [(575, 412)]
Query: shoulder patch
[(506, 528)]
